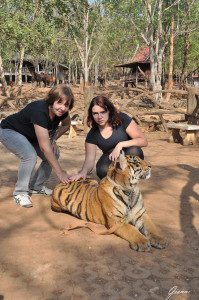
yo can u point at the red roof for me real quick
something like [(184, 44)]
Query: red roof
[(141, 56)]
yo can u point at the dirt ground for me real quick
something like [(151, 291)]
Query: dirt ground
[(37, 261)]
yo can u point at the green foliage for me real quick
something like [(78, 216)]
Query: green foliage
[(47, 29)]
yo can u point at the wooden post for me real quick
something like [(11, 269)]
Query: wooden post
[(72, 131), (163, 123), (10, 75), (88, 95), (192, 102), (136, 77), (193, 105), (26, 75)]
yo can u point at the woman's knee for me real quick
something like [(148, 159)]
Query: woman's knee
[(19, 145), (30, 156), (102, 166), (134, 150), (101, 171)]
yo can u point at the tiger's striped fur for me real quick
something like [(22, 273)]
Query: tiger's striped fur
[(115, 199)]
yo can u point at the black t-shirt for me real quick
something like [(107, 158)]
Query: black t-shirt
[(119, 134), (36, 112)]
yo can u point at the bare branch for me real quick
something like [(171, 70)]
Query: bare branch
[(91, 38), (185, 31), (173, 4), (189, 6), (136, 49), (145, 76), (148, 6), (37, 9), (141, 33), (79, 48), (154, 8), (95, 55)]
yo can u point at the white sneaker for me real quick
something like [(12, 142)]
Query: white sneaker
[(23, 200), (44, 191)]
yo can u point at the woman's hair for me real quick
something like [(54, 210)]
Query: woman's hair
[(57, 92), (106, 104)]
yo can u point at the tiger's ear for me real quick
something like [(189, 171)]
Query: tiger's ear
[(122, 161)]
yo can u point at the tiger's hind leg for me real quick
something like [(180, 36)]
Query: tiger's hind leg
[(152, 233), (55, 205), (137, 240)]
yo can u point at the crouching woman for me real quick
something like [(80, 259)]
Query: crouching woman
[(32, 132), (111, 132)]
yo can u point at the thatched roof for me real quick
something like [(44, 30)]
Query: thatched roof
[(140, 57)]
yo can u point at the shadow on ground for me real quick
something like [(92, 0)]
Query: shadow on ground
[(37, 261)]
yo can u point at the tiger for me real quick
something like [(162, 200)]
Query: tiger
[(115, 202)]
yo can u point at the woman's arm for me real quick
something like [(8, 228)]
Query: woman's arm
[(137, 139), (46, 147), (90, 154)]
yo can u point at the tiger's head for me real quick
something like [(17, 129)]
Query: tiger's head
[(127, 170)]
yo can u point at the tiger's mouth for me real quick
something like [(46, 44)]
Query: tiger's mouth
[(146, 174)]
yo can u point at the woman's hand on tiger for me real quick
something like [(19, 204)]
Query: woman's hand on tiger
[(77, 176), (63, 177), (116, 152)]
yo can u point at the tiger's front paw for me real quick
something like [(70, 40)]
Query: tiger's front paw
[(158, 242), (141, 246)]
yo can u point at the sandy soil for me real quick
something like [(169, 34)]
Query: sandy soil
[(37, 261)]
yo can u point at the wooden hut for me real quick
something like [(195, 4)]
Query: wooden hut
[(60, 71), (139, 68)]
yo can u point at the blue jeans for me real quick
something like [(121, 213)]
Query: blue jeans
[(27, 153)]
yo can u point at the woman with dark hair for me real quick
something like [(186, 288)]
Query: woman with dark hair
[(32, 132), (112, 132)]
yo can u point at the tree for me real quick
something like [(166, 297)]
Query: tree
[(151, 19), (2, 76), (119, 39), (84, 27), (31, 30), (191, 11), (170, 77)]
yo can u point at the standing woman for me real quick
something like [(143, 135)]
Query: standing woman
[(111, 132), (32, 132)]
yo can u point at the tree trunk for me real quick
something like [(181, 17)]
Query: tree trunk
[(21, 58), (185, 60), (19, 77), (186, 49), (76, 72), (16, 71), (152, 62), (156, 72), (88, 95), (81, 79), (86, 75), (84, 43), (3, 80), (86, 68), (73, 74), (96, 73), (156, 46), (69, 73), (170, 78)]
